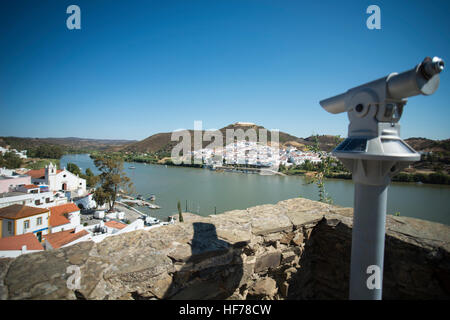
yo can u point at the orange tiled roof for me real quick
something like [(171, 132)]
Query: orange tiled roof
[(16, 242), (115, 224), (59, 239), (39, 174), (18, 211), (58, 214), (30, 186)]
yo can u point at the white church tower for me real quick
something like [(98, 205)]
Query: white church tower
[(50, 175)]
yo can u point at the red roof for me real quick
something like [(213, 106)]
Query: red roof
[(39, 174), (59, 239), (115, 224), (16, 242), (18, 211), (30, 186), (59, 214)]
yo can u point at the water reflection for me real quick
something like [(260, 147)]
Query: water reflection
[(206, 190)]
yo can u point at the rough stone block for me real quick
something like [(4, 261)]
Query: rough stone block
[(268, 260)]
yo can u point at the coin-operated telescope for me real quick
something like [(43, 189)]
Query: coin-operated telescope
[(374, 152)]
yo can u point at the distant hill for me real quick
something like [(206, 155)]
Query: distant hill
[(161, 142), (423, 144), (66, 143)]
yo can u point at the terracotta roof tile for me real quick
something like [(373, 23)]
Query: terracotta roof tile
[(18, 211), (59, 239), (115, 224), (16, 242), (58, 214), (30, 186), (39, 173)]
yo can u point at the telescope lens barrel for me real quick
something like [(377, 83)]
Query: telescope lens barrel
[(422, 79)]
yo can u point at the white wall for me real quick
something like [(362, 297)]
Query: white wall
[(74, 218), (72, 181), (63, 227), (15, 253), (30, 198), (33, 224), (135, 225)]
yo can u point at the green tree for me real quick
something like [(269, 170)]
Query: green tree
[(46, 151), (91, 179), (112, 179), (10, 160), (72, 167), (100, 196)]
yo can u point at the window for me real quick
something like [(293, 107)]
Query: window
[(80, 183), (26, 224), (39, 221), (37, 202), (9, 226)]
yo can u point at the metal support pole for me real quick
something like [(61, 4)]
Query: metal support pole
[(369, 221), (374, 152)]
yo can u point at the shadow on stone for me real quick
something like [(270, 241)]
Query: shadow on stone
[(213, 271)]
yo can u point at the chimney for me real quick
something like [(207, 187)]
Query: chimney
[(24, 248)]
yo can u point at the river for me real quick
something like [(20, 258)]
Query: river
[(204, 192)]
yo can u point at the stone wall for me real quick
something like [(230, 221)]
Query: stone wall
[(296, 249)]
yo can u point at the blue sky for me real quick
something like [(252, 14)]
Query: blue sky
[(141, 67)]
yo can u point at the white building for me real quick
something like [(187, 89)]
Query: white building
[(66, 238), (19, 219), (15, 246), (41, 199), (86, 202), (21, 154), (58, 179), (64, 217)]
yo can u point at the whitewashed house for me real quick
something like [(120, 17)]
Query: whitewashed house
[(58, 179), (15, 246), (19, 219), (66, 238), (42, 199), (64, 217)]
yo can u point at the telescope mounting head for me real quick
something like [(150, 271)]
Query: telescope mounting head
[(374, 110)]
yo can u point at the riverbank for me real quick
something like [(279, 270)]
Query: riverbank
[(207, 192), (438, 178)]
